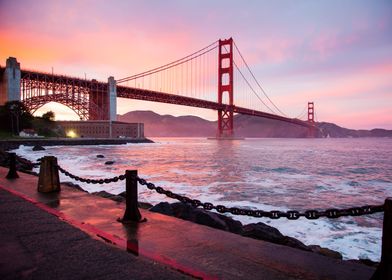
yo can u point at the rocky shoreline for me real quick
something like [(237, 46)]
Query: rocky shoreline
[(260, 231), (11, 144)]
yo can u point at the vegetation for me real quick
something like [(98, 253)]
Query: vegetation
[(14, 117), (49, 116)]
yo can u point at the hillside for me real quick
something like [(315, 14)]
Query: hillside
[(156, 125)]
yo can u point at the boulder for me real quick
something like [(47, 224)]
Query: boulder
[(38, 148), (262, 231), (209, 219), (163, 208), (143, 205), (365, 262), (100, 156), (234, 226), (105, 194), (190, 213), (325, 252), (265, 232), (73, 185), (109, 162)]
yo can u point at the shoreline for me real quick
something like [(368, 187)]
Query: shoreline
[(10, 144), (260, 230)]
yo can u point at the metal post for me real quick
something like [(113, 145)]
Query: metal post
[(384, 270), (12, 174), (132, 213), (48, 180)]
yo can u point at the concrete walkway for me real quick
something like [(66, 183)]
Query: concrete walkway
[(195, 249), (37, 245)]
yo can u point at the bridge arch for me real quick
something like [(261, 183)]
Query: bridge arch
[(81, 105), (88, 99)]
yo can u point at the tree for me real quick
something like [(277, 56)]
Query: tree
[(15, 116), (49, 116)]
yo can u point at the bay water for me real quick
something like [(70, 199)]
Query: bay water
[(265, 174)]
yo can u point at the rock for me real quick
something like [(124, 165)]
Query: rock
[(209, 219), (117, 198), (197, 215), (365, 262), (105, 194), (183, 211), (295, 243), (145, 205), (262, 231), (163, 208), (38, 148), (233, 226), (325, 252), (265, 232), (109, 162), (72, 185), (100, 156)]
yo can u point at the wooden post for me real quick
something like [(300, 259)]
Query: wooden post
[(384, 270), (12, 174), (132, 213), (48, 180)]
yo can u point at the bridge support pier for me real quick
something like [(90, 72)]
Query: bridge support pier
[(10, 82), (112, 92), (103, 101)]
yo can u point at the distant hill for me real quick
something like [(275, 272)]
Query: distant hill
[(156, 125), (170, 126)]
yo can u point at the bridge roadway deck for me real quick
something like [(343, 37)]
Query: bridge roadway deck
[(195, 249)]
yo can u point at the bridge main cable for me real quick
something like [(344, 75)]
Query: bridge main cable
[(187, 58), (257, 82)]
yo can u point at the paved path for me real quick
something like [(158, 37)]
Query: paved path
[(37, 245)]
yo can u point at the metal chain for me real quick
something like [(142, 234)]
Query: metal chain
[(332, 213), (275, 214), (91, 181)]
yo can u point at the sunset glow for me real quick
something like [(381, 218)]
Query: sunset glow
[(335, 53)]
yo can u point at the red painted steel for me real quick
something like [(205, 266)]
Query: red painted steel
[(225, 87), (74, 93), (87, 98), (90, 99)]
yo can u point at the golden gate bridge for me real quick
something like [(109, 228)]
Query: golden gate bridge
[(209, 78)]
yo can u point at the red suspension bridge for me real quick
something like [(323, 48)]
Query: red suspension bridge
[(208, 78)]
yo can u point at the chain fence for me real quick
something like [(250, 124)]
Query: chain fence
[(312, 214), (92, 181)]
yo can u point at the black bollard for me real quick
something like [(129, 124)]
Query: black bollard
[(12, 171), (48, 180), (132, 213), (384, 270)]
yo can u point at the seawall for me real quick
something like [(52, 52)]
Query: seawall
[(10, 144)]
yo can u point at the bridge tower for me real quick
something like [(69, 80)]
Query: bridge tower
[(225, 88), (10, 81), (102, 100), (311, 132)]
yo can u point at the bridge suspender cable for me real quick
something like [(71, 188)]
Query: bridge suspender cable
[(247, 66), (187, 58)]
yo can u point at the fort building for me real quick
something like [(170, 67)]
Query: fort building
[(102, 129)]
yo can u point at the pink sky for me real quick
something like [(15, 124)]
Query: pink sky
[(299, 50)]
